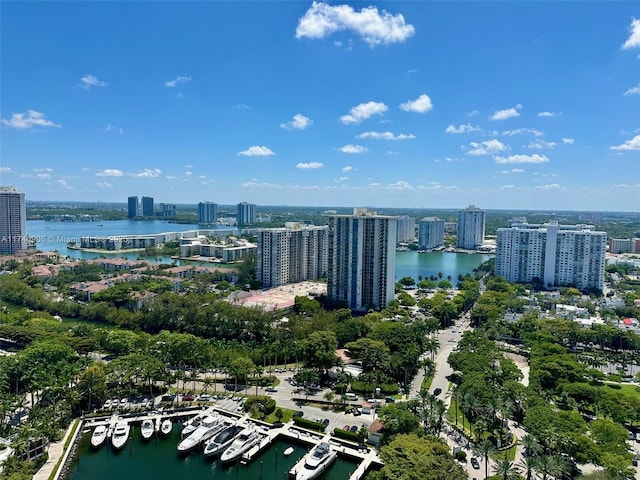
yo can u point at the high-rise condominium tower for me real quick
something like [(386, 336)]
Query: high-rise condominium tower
[(430, 233), (132, 207), (362, 259), (246, 213), (147, 207), (207, 212), (470, 228), (13, 220)]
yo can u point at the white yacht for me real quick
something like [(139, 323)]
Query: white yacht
[(209, 427), (315, 462), (120, 435), (99, 436), (191, 425), (246, 439), (166, 426), (147, 429), (220, 442)]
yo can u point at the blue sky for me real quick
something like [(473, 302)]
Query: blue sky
[(532, 105)]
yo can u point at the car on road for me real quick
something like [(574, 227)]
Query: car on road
[(325, 422), (389, 399), (474, 463), (437, 391), (271, 389), (204, 397), (299, 413)]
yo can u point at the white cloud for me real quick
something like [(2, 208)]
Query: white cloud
[(464, 128), (568, 141), (507, 187), (386, 136), (148, 173), (523, 131), (352, 149), (43, 176), (6, 170), (400, 185), (111, 128), (633, 144), (540, 144), (348, 168), (634, 36), (242, 106), (421, 104), (64, 184), (487, 147), (506, 113), (179, 80), (89, 81), (45, 170), (550, 186), (633, 90), (535, 158), (188, 173), (473, 113), (256, 151), (29, 119), (513, 170), (372, 26), (363, 111), (549, 114), (391, 152), (342, 179), (110, 172), (299, 122), (104, 185), (309, 165)]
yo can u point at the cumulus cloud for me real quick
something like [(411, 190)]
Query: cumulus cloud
[(465, 128), (6, 170), (386, 136), (29, 119), (110, 172), (43, 176), (299, 122), (633, 90), (549, 114), (506, 113), (111, 128), (568, 141), (89, 81), (309, 165), (507, 187), (540, 144), (634, 35), (104, 185), (352, 149), (523, 131), (421, 104), (179, 80), (348, 168), (487, 147), (148, 173), (363, 111), (64, 184), (550, 186), (45, 170), (373, 26), (633, 144), (535, 158), (513, 170), (257, 151)]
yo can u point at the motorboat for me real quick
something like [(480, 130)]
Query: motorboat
[(147, 429), (191, 425), (288, 451), (315, 462), (209, 427), (99, 436), (166, 426), (218, 444), (246, 439), (120, 435)]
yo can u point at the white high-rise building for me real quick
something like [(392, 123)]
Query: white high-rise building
[(362, 259), (430, 233), (291, 254), (470, 228), (13, 220), (557, 255), (406, 229), (207, 212)]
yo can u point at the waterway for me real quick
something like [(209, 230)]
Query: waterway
[(55, 235), (158, 459)]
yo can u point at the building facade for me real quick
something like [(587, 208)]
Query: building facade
[(470, 228), (246, 214), (291, 254), (207, 212), (132, 207), (406, 229), (147, 207), (557, 255), (13, 220), (430, 233), (624, 245), (362, 259), (167, 210)]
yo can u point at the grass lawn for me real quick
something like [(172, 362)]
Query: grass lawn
[(426, 381), (271, 418)]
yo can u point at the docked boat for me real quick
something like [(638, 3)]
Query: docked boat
[(209, 427), (288, 451), (147, 429), (218, 444), (99, 436), (315, 462), (191, 425), (166, 426), (120, 435), (246, 439)]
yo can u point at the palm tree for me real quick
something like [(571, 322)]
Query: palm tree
[(486, 449), (551, 466), (531, 446), (506, 469), (528, 466)]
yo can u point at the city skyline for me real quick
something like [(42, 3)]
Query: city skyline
[(403, 104)]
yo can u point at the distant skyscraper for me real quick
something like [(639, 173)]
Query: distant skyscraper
[(430, 233), (291, 254), (362, 259), (557, 255), (167, 210), (132, 207), (246, 213), (207, 212), (13, 220), (470, 228), (406, 229), (147, 207)]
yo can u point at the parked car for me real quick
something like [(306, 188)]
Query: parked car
[(299, 413), (389, 399), (271, 389), (437, 391), (188, 397), (346, 427), (205, 397), (474, 463), (325, 422), (353, 429), (124, 402)]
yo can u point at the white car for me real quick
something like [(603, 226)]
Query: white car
[(107, 406), (123, 403), (204, 397)]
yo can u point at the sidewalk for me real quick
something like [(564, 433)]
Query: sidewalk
[(56, 450)]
